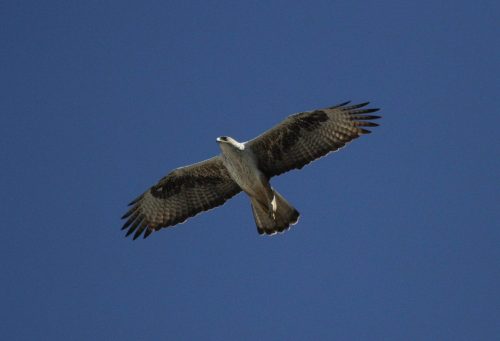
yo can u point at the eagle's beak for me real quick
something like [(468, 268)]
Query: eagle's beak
[(222, 139)]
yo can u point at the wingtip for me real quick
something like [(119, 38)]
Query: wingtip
[(352, 108), (137, 234), (339, 105), (140, 230), (149, 230), (129, 221), (135, 200), (127, 214)]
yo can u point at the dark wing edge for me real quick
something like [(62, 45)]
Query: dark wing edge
[(181, 194), (304, 137)]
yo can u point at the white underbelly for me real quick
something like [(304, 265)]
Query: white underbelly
[(246, 174)]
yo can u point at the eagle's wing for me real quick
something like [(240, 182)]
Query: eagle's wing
[(306, 136), (181, 194)]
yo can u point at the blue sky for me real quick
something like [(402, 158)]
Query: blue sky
[(398, 238)]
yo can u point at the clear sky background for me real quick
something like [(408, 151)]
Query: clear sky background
[(399, 236)]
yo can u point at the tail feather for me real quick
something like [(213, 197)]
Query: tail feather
[(275, 217)]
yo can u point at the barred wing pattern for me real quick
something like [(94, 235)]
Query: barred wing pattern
[(306, 136), (181, 194)]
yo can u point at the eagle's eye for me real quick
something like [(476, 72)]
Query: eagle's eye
[(223, 138)]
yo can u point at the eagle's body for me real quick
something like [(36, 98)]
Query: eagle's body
[(241, 164), (272, 213), (248, 167)]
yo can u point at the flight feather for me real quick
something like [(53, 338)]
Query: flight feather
[(306, 136), (181, 194)]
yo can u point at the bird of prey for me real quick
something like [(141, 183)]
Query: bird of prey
[(248, 167)]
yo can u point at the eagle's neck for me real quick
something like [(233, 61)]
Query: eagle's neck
[(237, 145)]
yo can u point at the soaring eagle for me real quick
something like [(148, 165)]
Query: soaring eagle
[(248, 167)]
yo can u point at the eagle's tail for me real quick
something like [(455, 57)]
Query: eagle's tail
[(274, 217)]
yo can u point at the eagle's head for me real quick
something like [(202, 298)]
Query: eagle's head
[(229, 142)]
